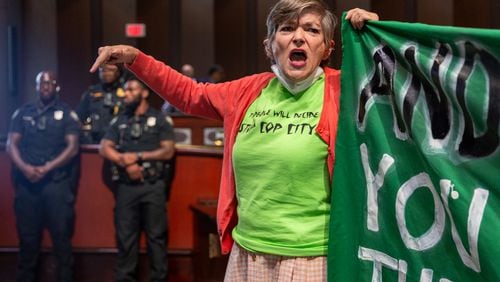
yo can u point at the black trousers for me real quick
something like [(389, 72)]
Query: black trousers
[(141, 207), (47, 204)]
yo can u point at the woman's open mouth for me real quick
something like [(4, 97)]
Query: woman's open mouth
[(297, 58)]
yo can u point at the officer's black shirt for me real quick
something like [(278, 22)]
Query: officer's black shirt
[(98, 106), (142, 133), (43, 130)]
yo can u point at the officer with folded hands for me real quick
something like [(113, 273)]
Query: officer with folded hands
[(140, 145)]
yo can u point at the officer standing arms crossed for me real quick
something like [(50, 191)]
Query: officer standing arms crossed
[(43, 145), (140, 143)]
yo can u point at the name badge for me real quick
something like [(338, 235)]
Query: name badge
[(58, 115)]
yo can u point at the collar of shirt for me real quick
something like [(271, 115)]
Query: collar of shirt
[(300, 86), (41, 108)]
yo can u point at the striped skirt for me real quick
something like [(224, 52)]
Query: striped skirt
[(244, 266)]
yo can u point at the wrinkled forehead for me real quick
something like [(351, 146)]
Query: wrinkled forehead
[(293, 17)]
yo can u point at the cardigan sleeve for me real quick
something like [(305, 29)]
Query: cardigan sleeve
[(201, 99)]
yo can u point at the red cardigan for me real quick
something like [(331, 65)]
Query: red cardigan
[(229, 102)]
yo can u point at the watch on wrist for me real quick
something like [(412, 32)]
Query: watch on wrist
[(139, 157)]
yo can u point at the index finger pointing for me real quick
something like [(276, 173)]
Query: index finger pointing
[(100, 60)]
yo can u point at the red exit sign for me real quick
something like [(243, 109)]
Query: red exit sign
[(135, 30)]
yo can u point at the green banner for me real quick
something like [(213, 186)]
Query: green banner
[(417, 176)]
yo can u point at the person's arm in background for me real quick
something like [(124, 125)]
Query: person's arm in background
[(128, 161), (72, 138), (12, 148), (166, 150), (69, 152), (202, 99), (108, 150)]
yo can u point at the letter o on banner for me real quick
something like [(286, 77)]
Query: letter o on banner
[(432, 236)]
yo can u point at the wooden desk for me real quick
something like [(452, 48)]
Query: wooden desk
[(197, 175)]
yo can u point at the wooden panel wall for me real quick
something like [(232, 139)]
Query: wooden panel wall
[(393, 10), (263, 7), (233, 44), (197, 41), (157, 15), (3, 64), (10, 22), (435, 12), (478, 13), (64, 35), (8, 235), (74, 47), (39, 51)]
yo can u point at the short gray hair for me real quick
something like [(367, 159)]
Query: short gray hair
[(287, 10)]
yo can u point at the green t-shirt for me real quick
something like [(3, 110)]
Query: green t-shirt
[(282, 179)]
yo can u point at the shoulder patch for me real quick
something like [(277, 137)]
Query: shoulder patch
[(96, 94)]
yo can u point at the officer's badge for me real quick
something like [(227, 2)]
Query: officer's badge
[(58, 115), (74, 116), (151, 121), (119, 92), (96, 94)]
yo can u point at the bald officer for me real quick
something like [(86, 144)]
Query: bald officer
[(43, 146)]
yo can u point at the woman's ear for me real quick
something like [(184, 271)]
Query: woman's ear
[(329, 50), (267, 47)]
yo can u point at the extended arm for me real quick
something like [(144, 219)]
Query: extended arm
[(13, 150), (165, 152), (115, 55)]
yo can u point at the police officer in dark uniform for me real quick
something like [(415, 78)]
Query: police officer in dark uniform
[(43, 145), (140, 144), (100, 104)]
